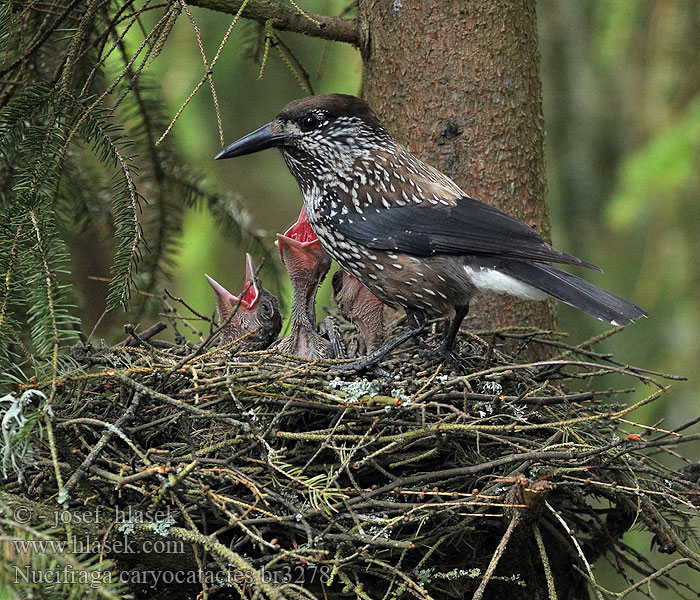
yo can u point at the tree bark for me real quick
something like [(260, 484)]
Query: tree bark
[(458, 83)]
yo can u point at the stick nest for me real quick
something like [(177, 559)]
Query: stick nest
[(320, 485)]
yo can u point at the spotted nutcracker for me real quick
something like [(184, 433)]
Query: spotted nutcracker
[(258, 312), (405, 229), (307, 265)]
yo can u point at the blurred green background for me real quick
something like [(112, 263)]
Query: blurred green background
[(247, 101), (622, 113)]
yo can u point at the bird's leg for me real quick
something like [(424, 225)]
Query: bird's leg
[(329, 329), (449, 340), (416, 323), (444, 348)]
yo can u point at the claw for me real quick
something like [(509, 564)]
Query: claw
[(444, 353)]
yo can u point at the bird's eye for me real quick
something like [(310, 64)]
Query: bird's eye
[(266, 309), (309, 123)]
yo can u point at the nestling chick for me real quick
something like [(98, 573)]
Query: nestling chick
[(307, 265), (258, 312), (364, 310)]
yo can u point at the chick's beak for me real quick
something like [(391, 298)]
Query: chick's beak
[(226, 300), (250, 298), (220, 290), (299, 256)]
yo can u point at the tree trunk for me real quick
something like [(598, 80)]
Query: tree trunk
[(458, 83)]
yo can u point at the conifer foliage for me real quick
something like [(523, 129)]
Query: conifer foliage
[(79, 128)]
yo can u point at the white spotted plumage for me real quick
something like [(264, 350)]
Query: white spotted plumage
[(399, 225)]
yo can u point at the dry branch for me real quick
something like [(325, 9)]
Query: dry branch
[(429, 486), (288, 18)]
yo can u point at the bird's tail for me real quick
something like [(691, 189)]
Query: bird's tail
[(573, 290)]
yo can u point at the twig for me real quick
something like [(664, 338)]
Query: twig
[(140, 338), (135, 385), (655, 575), (500, 549), (571, 535), (551, 589), (99, 447)]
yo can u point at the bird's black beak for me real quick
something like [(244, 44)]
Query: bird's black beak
[(260, 139)]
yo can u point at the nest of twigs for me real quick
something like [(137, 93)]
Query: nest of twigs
[(279, 478)]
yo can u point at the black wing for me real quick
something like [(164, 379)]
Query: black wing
[(468, 227)]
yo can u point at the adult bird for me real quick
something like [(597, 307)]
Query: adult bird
[(256, 321), (405, 229)]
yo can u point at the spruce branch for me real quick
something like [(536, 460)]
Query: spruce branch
[(97, 102), (8, 292), (87, 98), (107, 141), (294, 66), (288, 18), (144, 116), (208, 69), (46, 29), (133, 19), (207, 66)]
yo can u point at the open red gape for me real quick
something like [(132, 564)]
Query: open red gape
[(250, 298), (301, 241), (301, 230)]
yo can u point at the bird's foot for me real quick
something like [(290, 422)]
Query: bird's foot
[(429, 350), (381, 372), (445, 353), (426, 350), (457, 362), (329, 329), (372, 360), (363, 364)]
